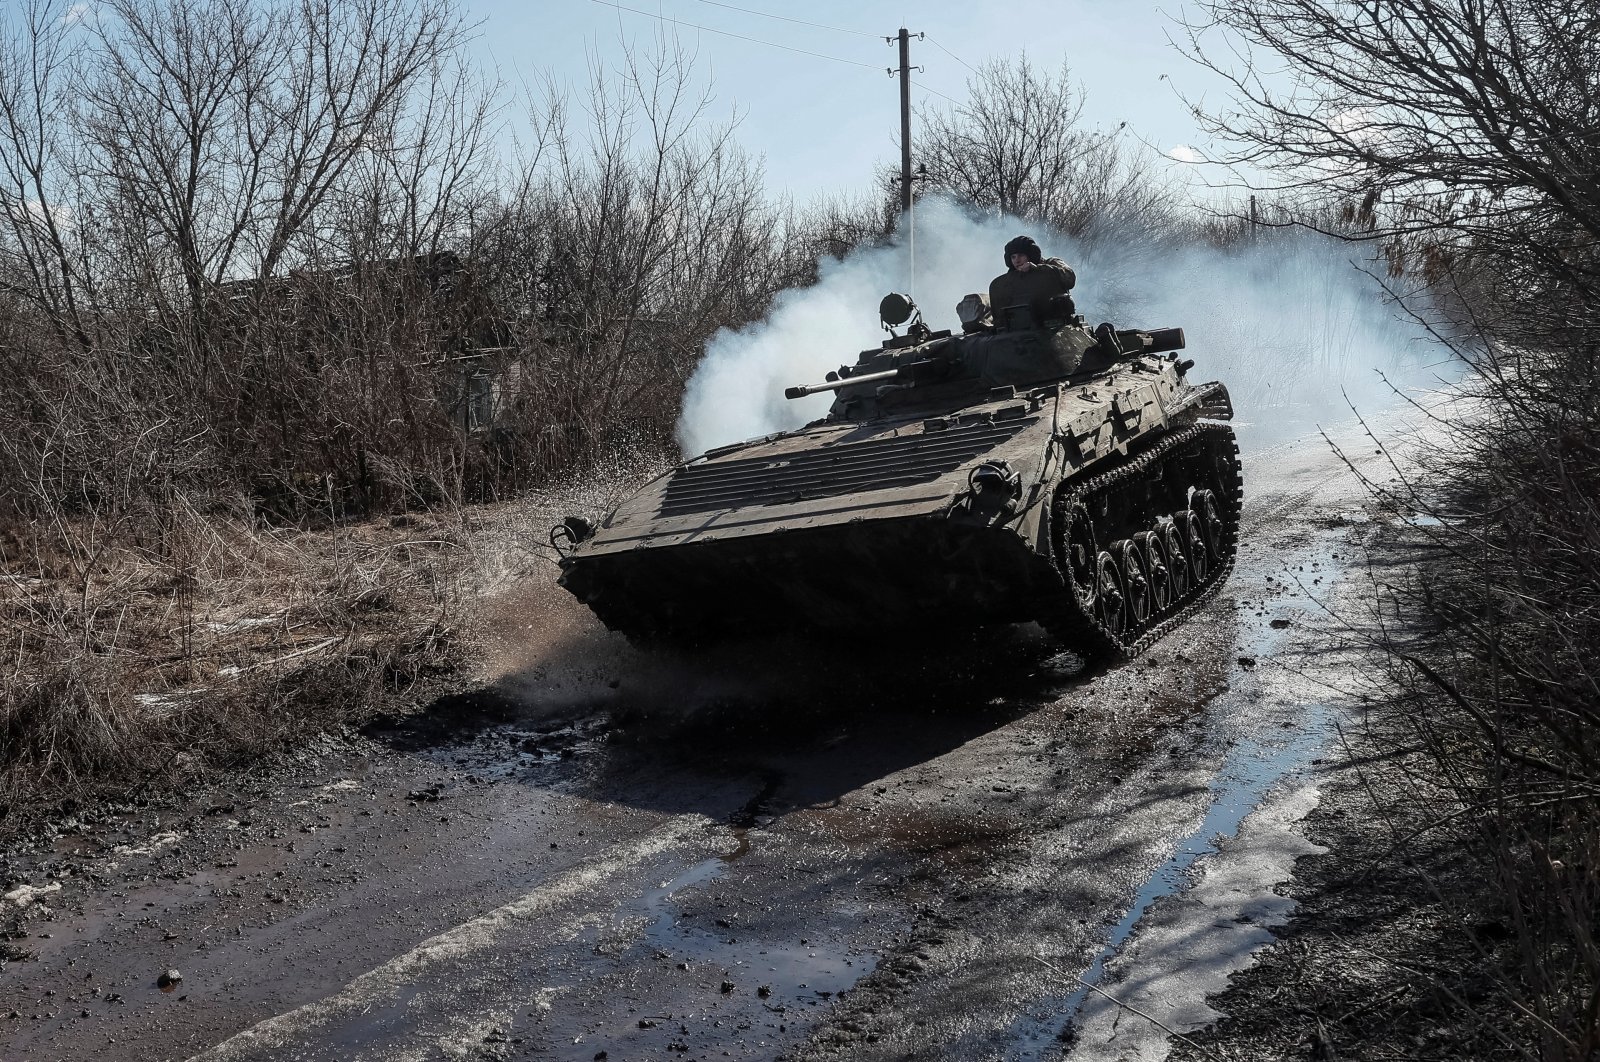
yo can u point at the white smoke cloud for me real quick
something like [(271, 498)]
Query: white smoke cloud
[(1291, 325), (737, 390)]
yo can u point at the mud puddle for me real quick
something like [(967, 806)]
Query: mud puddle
[(523, 751), (1259, 762), (1253, 769), (735, 990)]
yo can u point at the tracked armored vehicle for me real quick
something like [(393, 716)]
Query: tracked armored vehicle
[(1045, 473)]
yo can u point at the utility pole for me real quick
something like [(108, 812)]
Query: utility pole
[(904, 39)]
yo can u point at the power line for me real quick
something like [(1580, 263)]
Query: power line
[(943, 49), (783, 18), (936, 92), (737, 36)]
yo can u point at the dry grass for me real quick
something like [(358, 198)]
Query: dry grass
[(127, 666), (138, 652)]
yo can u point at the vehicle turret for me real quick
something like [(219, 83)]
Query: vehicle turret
[(979, 360)]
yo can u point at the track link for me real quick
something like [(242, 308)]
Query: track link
[(1124, 495)]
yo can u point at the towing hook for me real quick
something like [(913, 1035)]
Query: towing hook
[(569, 532), (993, 486)]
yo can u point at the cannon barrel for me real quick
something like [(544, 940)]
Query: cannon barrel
[(898, 372)]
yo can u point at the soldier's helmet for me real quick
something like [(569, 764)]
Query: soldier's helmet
[(1024, 245)]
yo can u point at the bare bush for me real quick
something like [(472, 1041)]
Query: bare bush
[(633, 237), (162, 164), (832, 227), (233, 643)]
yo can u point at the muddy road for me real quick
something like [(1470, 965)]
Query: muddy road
[(978, 850)]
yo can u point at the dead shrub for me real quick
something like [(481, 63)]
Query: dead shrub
[(229, 643)]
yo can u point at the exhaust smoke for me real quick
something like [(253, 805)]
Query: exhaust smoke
[(1291, 324)]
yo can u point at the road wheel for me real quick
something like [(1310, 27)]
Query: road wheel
[(1079, 552), (1110, 603), (1203, 503), (1136, 582), (1172, 549), (1158, 568), (1195, 550)]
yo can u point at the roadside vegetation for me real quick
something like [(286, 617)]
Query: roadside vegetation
[(1462, 140), (275, 305)]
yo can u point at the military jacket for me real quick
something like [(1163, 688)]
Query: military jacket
[(1013, 288)]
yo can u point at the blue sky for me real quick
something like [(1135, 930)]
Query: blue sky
[(823, 125)]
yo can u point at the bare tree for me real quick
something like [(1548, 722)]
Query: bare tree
[(833, 226), (1013, 145), (419, 186), (1017, 146), (163, 162), (226, 127), (1450, 119), (634, 234), (37, 82)]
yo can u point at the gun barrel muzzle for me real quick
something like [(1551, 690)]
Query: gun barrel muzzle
[(802, 390)]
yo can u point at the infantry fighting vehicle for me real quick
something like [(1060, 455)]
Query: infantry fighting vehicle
[(1048, 472)]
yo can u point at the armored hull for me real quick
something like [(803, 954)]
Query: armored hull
[(1102, 503)]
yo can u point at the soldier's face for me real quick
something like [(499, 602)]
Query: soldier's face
[(1020, 263)]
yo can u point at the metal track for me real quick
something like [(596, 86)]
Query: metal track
[(1068, 622)]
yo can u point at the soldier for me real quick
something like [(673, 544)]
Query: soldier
[(1032, 281)]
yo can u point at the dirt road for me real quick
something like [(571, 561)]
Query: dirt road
[(963, 852)]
